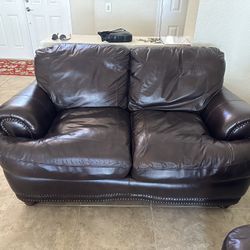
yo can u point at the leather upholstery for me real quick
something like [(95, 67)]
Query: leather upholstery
[(81, 144), (174, 147), (81, 75), (68, 137), (28, 114), (227, 117), (174, 78), (238, 239), (199, 194)]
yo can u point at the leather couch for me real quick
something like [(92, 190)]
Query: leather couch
[(103, 123), (237, 239)]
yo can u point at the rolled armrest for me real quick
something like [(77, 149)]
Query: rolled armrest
[(227, 117), (28, 114)]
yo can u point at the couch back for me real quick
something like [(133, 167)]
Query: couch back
[(79, 75), (161, 78), (174, 78)]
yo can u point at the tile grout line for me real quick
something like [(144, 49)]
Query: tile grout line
[(153, 226), (4, 81), (76, 227), (238, 208)]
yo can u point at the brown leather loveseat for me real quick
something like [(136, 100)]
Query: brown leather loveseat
[(102, 123)]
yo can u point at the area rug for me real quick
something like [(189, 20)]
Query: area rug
[(16, 67)]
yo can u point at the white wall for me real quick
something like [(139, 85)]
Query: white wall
[(226, 25)]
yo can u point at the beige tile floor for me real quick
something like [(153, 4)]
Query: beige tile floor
[(68, 226)]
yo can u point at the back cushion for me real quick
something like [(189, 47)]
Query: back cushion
[(82, 75), (174, 78)]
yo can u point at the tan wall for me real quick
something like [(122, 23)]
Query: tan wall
[(82, 16), (226, 25), (89, 16)]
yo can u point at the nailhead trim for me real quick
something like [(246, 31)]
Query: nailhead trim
[(239, 126), (111, 195), (114, 197), (212, 204), (3, 128), (13, 119)]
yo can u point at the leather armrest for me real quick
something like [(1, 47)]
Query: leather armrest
[(227, 117), (28, 114)]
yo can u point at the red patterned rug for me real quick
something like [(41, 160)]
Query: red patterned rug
[(16, 67)]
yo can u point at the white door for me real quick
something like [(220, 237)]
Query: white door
[(172, 17), (46, 17), (24, 23), (14, 33)]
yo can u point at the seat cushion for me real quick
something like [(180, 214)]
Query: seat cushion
[(84, 75), (174, 78), (84, 143), (176, 147)]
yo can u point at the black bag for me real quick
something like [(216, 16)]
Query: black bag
[(116, 36)]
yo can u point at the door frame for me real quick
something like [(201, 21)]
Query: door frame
[(28, 28), (159, 16)]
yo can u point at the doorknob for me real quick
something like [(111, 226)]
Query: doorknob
[(28, 9)]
